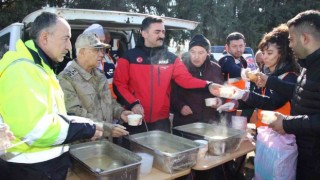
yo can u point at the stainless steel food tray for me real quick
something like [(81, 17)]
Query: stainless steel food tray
[(221, 139), (104, 160), (171, 153)]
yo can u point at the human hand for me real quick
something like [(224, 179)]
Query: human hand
[(277, 125), (98, 133), (8, 133), (226, 107), (118, 131), (244, 73), (214, 89), (138, 109), (6, 137), (262, 79), (124, 115), (186, 110)]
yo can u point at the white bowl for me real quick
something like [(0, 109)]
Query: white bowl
[(211, 102), (134, 119), (268, 117)]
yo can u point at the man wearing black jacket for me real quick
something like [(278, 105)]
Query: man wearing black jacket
[(304, 121)]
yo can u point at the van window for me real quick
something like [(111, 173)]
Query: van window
[(4, 44)]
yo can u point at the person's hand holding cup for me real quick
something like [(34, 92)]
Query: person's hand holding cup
[(252, 76), (213, 102), (268, 117), (231, 92)]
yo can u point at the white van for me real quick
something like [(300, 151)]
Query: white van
[(121, 25)]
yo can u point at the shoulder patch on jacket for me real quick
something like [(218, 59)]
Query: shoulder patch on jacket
[(70, 72)]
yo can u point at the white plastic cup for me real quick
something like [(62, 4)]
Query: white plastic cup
[(226, 92), (134, 119), (146, 163), (203, 148), (268, 117), (211, 102), (4, 140), (239, 122)]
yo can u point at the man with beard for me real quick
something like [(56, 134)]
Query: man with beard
[(234, 66), (304, 122), (233, 63), (142, 79)]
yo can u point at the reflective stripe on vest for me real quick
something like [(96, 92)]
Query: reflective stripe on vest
[(35, 157), (285, 109), (42, 126)]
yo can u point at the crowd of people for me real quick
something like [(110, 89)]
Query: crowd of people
[(47, 111)]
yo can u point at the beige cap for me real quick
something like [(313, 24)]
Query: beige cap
[(89, 40)]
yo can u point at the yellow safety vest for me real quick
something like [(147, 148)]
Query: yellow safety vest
[(31, 100)]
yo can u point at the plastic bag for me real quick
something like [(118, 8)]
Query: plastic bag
[(276, 155)]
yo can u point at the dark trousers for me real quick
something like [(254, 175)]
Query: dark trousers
[(54, 169)]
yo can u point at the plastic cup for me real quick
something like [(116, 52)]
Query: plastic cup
[(211, 102), (134, 119), (146, 163), (268, 117), (226, 92), (239, 122), (203, 148)]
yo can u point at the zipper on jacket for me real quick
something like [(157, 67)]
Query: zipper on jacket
[(159, 75), (151, 88)]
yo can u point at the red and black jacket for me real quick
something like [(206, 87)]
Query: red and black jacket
[(143, 75)]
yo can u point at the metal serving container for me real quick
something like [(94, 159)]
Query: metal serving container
[(171, 153), (221, 139), (104, 160)]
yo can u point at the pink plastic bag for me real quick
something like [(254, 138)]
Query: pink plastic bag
[(276, 155)]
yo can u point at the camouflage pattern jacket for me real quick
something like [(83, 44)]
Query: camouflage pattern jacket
[(88, 95)]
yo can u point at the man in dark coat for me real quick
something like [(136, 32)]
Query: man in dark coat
[(304, 122)]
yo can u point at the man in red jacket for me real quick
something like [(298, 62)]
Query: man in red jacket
[(142, 79)]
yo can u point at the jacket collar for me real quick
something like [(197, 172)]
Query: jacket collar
[(310, 59), (87, 76), (40, 53)]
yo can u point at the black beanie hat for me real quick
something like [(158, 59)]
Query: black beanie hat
[(200, 40)]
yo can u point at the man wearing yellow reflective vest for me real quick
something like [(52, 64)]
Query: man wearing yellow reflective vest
[(32, 104)]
